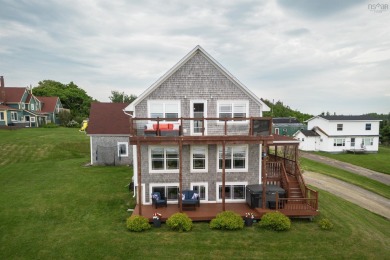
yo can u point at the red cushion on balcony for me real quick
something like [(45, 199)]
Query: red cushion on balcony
[(170, 126)]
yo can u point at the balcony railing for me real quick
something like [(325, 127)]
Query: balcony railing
[(168, 127)]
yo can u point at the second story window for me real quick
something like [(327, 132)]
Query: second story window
[(163, 109), (368, 126), (164, 159), (339, 127), (236, 158), (233, 109)]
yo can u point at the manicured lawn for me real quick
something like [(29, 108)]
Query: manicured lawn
[(379, 162), (53, 207), (361, 181)]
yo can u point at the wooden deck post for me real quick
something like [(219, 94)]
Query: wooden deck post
[(180, 174), (139, 178), (223, 175), (264, 180)]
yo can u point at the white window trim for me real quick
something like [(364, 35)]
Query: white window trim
[(32, 107), (226, 184), (370, 141), (339, 139), (206, 189), (163, 102), (206, 159), (152, 185), (234, 170), (13, 117), (127, 149), (2, 118), (233, 102), (150, 159), (192, 116)]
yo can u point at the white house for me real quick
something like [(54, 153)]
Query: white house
[(340, 133)]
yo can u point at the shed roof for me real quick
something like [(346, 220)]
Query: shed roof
[(108, 119)]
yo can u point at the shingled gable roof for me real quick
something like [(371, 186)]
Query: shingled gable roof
[(49, 103), (14, 94), (108, 119), (309, 133), (4, 107), (346, 118), (180, 64)]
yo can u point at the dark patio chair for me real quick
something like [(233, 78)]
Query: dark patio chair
[(158, 200)]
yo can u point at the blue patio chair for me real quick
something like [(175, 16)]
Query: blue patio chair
[(158, 200)]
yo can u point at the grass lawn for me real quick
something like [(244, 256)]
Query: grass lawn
[(52, 206), (379, 162), (361, 181)]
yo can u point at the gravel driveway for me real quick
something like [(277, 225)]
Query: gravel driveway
[(361, 197), (381, 177)]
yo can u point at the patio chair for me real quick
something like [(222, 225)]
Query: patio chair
[(158, 200)]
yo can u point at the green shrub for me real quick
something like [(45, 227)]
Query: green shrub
[(179, 222), (325, 224), (275, 221), (137, 223), (227, 220)]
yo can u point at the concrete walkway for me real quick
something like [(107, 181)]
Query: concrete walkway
[(381, 177), (361, 197)]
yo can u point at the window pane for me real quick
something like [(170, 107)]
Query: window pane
[(157, 164), (227, 192), (156, 110), (172, 192), (122, 149), (171, 108), (172, 164), (157, 152), (238, 192), (172, 153), (201, 190), (239, 108), (172, 115), (239, 164), (159, 189), (225, 108)]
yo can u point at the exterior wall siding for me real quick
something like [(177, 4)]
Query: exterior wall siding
[(105, 151), (211, 177)]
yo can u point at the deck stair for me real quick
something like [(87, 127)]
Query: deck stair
[(294, 191)]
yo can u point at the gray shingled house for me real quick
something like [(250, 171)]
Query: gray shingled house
[(198, 128), (109, 130)]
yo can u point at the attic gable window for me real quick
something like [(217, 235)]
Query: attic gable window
[(339, 127), (233, 109), (368, 126), (163, 109)]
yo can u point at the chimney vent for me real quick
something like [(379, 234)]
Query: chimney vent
[(1, 82)]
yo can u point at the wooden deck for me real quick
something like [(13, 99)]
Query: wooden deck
[(208, 211)]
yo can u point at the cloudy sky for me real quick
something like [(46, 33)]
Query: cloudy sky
[(315, 56)]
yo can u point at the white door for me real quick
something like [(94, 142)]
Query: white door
[(198, 110)]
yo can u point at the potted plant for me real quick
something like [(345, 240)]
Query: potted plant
[(157, 219), (249, 216)]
